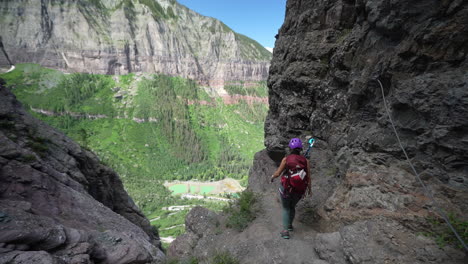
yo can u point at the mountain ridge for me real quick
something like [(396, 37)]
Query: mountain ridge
[(108, 37)]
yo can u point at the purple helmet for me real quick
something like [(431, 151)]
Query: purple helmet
[(295, 143)]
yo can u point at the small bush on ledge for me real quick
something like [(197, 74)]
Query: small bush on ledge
[(224, 258), (241, 211), (443, 235), (219, 257)]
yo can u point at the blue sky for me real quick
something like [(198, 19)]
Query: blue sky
[(257, 19)]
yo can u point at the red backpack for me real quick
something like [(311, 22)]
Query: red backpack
[(295, 180)]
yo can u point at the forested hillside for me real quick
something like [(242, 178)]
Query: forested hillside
[(149, 128)]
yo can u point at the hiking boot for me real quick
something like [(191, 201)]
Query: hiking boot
[(285, 234), (290, 228)]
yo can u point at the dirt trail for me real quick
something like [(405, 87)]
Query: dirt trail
[(261, 241), (272, 216)]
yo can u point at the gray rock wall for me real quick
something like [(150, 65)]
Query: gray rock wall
[(59, 204), (323, 82), (119, 37)]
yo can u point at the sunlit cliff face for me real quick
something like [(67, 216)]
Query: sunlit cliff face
[(146, 36)]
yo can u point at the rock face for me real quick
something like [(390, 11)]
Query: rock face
[(59, 204), (367, 206), (323, 81), (119, 37)]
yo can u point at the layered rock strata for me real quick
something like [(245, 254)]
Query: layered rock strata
[(59, 204), (119, 37)]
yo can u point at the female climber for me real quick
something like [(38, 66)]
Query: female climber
[(295, 182)]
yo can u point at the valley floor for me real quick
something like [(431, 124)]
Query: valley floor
[(187, 188)]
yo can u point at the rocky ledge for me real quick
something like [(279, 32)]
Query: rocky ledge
[(59, 204), (353, 234)]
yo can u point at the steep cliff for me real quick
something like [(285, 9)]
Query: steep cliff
[(59, 204), (323, 82), (118, 37), (366, 205)]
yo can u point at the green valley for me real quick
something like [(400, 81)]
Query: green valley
[(150, 129)]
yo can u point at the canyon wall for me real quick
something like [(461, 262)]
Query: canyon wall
[(324, 81), (119, 37)]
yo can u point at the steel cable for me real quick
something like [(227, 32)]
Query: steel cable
[(426, 190)]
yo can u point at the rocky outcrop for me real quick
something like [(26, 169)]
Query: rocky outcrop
[(323, 82), (119, 37), (367, 206), (59, 204)]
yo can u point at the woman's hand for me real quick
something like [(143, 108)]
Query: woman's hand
[(278, 172)]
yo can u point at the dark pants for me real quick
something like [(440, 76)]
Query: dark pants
[(289, 208)]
